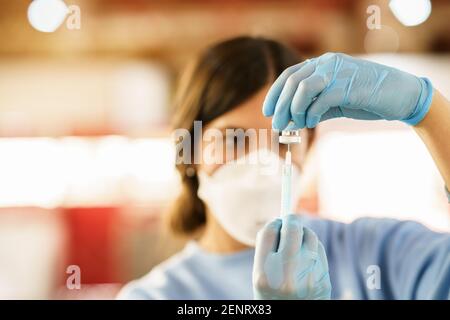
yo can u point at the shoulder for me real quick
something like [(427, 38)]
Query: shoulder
[(164, 281), (363, 225), (369, 231)]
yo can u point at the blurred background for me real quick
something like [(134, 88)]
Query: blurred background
[(86, 159)]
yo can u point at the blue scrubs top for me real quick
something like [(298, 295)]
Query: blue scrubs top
[(368, 259)]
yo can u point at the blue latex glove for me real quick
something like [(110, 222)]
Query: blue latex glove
[(337, 85), (290, 262)]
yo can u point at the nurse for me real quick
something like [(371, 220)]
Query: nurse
[(298, 257)]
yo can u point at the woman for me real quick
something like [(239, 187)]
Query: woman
[(224, 89)]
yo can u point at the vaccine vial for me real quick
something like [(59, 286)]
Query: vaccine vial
[(290, 136)]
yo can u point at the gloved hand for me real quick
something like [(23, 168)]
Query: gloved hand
[(290, 262), (337, 85)]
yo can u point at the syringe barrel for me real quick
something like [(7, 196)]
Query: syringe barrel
[(286, 185)]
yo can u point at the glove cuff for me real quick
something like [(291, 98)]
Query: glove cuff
[(424, 103)]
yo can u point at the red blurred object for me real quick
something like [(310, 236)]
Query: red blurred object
[(91, 243)]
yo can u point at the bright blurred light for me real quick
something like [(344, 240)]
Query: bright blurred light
[(30, 171), (47, 15), (31, 244), (364, 174), (74, 171), (134, 87), (411, 12)]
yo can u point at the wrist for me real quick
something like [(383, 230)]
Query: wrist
[(423, 104)]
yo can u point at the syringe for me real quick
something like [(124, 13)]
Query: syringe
[(287, 137)]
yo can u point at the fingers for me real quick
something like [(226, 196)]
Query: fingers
[(291, 235), (282, 114), (307, 90), (292, 126), (310, 241), (324, 102), (326, 107), (290, 261), (268, 238), (323, 288), (323, 257), (292, 95), (320, 271), (279, 98), (276, 88), (267, 241)]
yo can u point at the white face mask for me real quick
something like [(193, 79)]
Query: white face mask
[(245, 195)]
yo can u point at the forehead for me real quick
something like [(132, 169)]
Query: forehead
[(246, 115)]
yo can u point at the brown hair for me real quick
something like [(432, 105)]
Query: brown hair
[(223, 77)]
